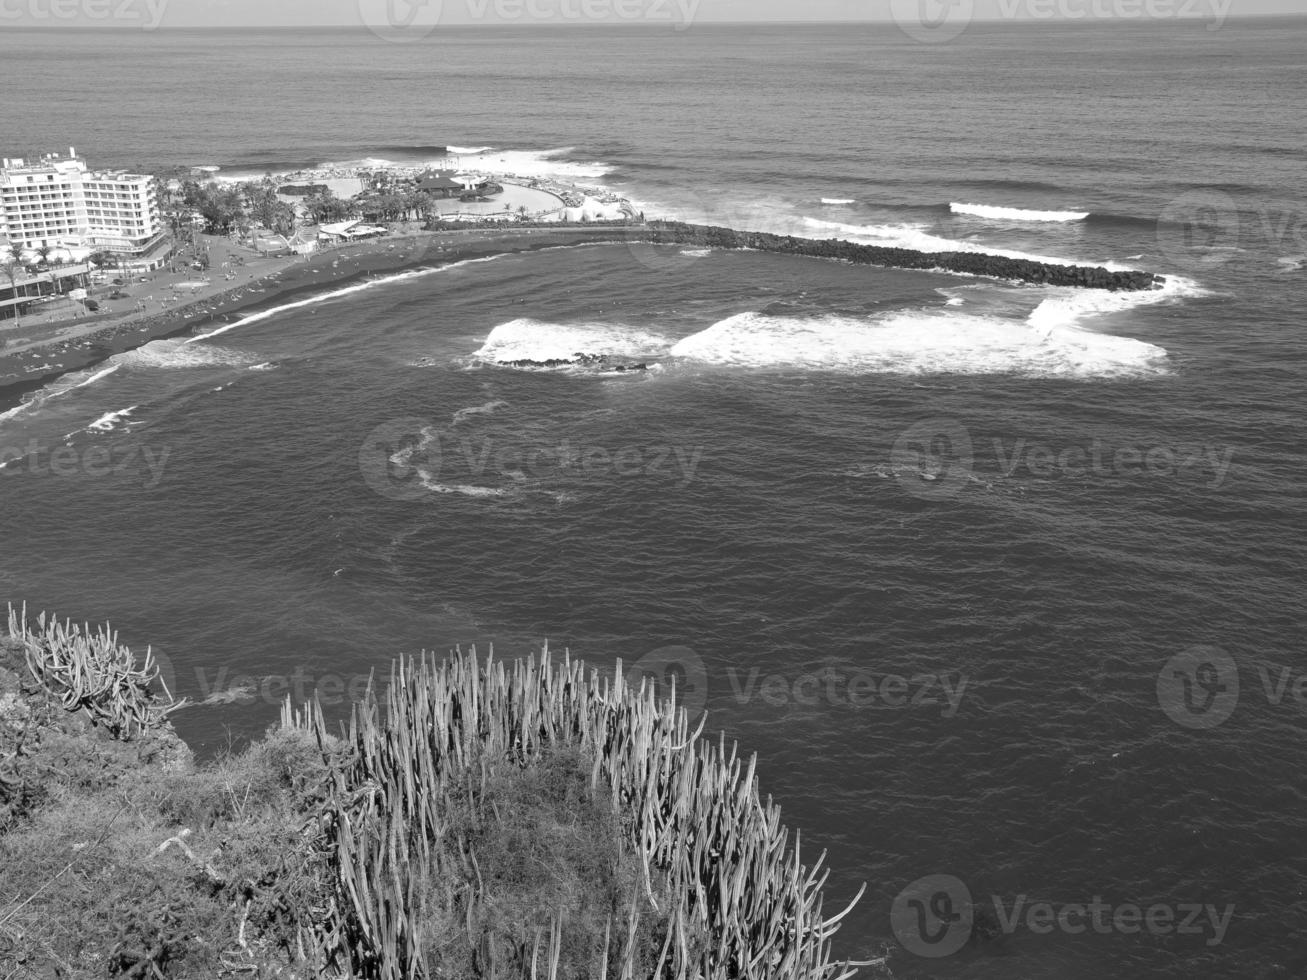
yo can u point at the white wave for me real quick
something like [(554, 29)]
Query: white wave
[(178, 354), (62, 386), (337, 294), (468, 150), (531, 163), (109, 420), (265, 366), (837, 200), (1067, 306), (914, 236), (1292, 263), (696, 253), (1015, 214), (16, 410), (534, 340), (488, 408), (918, 342)]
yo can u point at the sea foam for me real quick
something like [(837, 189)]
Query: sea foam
[(916, 237), (110, 420), (535, 340), (918, 342), (177, 354)]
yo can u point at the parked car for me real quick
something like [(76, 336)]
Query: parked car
[(92, 305), (118, 282), (118, 294)]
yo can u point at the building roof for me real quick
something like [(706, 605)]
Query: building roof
[(439, 180), (337, 227)]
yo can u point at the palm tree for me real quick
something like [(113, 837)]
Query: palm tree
[(423, 202), (12, 269)]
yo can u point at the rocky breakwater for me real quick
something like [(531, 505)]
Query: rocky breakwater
[(969, 263)]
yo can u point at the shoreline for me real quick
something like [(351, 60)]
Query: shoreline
[(336, 267), (345, 264)]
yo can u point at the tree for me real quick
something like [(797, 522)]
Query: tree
[(12, 269), (424, 204), (327, 207), (283, 219), (265, 206)]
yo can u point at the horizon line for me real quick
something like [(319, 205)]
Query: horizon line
[(563, 25)]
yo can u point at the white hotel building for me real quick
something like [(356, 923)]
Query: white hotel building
[(57, 201)]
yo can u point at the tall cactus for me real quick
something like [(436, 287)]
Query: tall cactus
[(735, 898), (90, 672)]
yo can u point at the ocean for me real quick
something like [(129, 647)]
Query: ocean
[(1003, 584)]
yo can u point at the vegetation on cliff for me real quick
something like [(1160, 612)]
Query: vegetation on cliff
[(475, 819)]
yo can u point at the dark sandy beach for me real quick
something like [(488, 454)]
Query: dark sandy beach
[(332, 267)]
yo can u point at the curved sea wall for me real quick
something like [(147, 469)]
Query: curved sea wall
[(970, 263)]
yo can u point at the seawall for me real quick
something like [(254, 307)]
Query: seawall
[(970, 263)]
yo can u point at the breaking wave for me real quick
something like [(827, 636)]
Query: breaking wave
[(920, 342), (1015, 214), (534, 340), (916, 237), (178, 354), (111, 420)]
